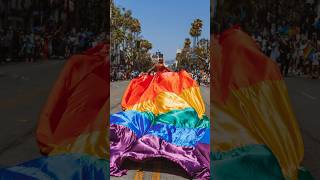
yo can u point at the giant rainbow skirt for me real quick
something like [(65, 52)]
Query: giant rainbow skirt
[(163, 118)]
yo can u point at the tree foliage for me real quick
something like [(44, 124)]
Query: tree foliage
[(197, 55), (128, 47), (195, 30)]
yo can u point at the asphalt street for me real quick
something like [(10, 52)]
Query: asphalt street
[(305, 98), (25, 87)]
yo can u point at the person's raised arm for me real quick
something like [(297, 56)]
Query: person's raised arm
[(169, 69), (151, 69)]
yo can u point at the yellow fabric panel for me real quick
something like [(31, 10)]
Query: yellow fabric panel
[(95, 143), (260, 114), (168, 101)]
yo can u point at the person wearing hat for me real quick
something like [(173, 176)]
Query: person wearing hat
[(159, 67)]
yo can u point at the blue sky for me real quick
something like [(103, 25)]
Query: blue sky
[(166, 23)]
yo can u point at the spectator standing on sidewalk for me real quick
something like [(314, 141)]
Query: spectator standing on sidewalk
[(315, 65), (284, 55), (2, 48), (6, 46), (29, 49)]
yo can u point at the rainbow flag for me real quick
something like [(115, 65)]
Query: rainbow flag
[(164, 117), (62, 166), (294, 31), (308, 51), (73, 126), (289, 31), (255, 133)]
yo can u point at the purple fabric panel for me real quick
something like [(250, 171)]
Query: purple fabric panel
[(124, 144)]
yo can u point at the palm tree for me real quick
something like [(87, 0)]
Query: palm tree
[(135, 29), (187, 43), (195, 31), (198, 28), (192, 33), (118, 35), (135, 26), (145, 45), (183, 58)]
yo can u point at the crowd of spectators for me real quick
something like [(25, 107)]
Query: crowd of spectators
[(200, 74), (286, 31), (202, 77), (118, 73), (44, 43)]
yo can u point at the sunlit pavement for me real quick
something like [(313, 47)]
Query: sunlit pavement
[(23, 91), (305, 98)]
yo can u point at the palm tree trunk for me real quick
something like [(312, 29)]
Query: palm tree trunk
[(197, 40)]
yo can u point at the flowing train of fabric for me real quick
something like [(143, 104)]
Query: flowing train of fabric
[(164, 118), (73, 126), (255, 133), (63, 166)]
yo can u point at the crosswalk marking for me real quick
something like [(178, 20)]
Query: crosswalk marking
[(139, 175), (155, 176), (156, 173)]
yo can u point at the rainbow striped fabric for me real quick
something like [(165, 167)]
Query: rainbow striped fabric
[(255, 133), (308, 51), (163, 118), (73, 126), (289, 31), (69, 166)]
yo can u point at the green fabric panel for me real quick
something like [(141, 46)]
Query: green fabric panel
[(252, 162), (304, 174), (185, 118)]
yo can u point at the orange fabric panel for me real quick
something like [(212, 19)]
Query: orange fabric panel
[(76, 99), (162, 82), (242, 64)]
